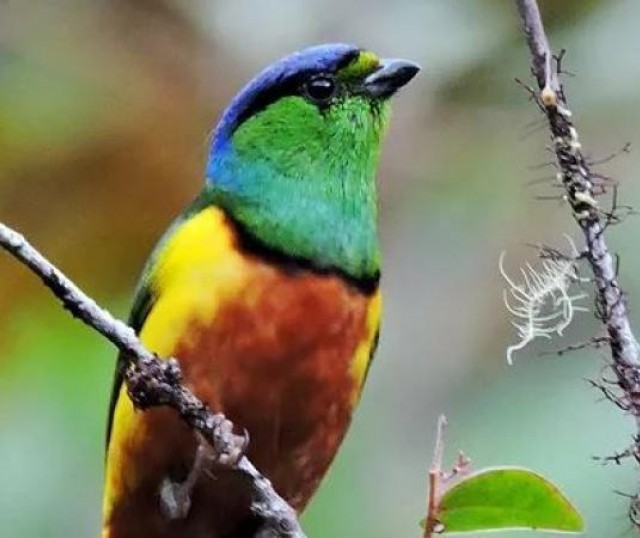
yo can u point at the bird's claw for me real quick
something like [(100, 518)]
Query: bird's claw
[(175, 499), (236, 445)]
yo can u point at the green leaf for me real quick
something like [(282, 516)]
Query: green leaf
[(507, 498)]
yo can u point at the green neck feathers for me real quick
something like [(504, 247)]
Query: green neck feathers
[(301, 181)]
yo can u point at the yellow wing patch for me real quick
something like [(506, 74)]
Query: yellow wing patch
[(362, 356), (196, 271)]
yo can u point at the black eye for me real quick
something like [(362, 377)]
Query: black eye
[(320, 89)]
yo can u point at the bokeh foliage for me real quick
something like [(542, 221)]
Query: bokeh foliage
[(105, 112)]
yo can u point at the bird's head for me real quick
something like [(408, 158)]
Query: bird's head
[(293, 158)]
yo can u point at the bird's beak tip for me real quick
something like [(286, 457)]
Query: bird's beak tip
[(392, 75)]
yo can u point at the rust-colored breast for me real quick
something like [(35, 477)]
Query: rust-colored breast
[(277, 357), (280, 367)]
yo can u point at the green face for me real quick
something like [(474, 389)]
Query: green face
[(326, 147), (299, 175)]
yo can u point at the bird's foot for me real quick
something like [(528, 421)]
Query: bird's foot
[(236, 445), (223, 445), (175, 497)]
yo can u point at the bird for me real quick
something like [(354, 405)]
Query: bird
[(266, 290)]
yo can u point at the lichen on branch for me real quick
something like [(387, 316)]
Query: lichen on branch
[(542, 302)]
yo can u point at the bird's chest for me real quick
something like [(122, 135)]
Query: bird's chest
[(282, 353), (280, 358)]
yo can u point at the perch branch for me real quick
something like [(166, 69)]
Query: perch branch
[(152, 382), (580, 185)]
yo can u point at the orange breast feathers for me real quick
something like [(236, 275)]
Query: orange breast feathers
[(282, 352)]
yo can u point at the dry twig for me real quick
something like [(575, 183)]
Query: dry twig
[(440, 480), (580, 184), (152, 382)]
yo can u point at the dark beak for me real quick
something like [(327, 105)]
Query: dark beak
[(389, 77)]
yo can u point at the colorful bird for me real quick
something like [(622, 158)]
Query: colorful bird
[(266, 290)]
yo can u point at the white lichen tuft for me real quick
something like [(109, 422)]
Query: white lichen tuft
[(542, 303)]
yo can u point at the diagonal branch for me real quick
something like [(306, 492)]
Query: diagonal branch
[(579, 182), (152, 382)]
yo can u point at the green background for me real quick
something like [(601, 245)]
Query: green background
[(105, 111)]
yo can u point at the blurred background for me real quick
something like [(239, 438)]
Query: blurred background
[(105, 113)]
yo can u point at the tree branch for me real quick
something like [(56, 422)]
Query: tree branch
[(580, 184), (152, 382)]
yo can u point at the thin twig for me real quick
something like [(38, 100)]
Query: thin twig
[(579, 181), (152, 382), (431, 524)]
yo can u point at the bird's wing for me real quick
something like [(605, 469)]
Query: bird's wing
[(141, 307), (144, 300)]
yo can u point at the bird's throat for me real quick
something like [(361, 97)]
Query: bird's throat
[(302, 183), (327, 224)]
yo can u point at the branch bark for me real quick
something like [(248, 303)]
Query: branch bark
[(152, 382), (580, 184)]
